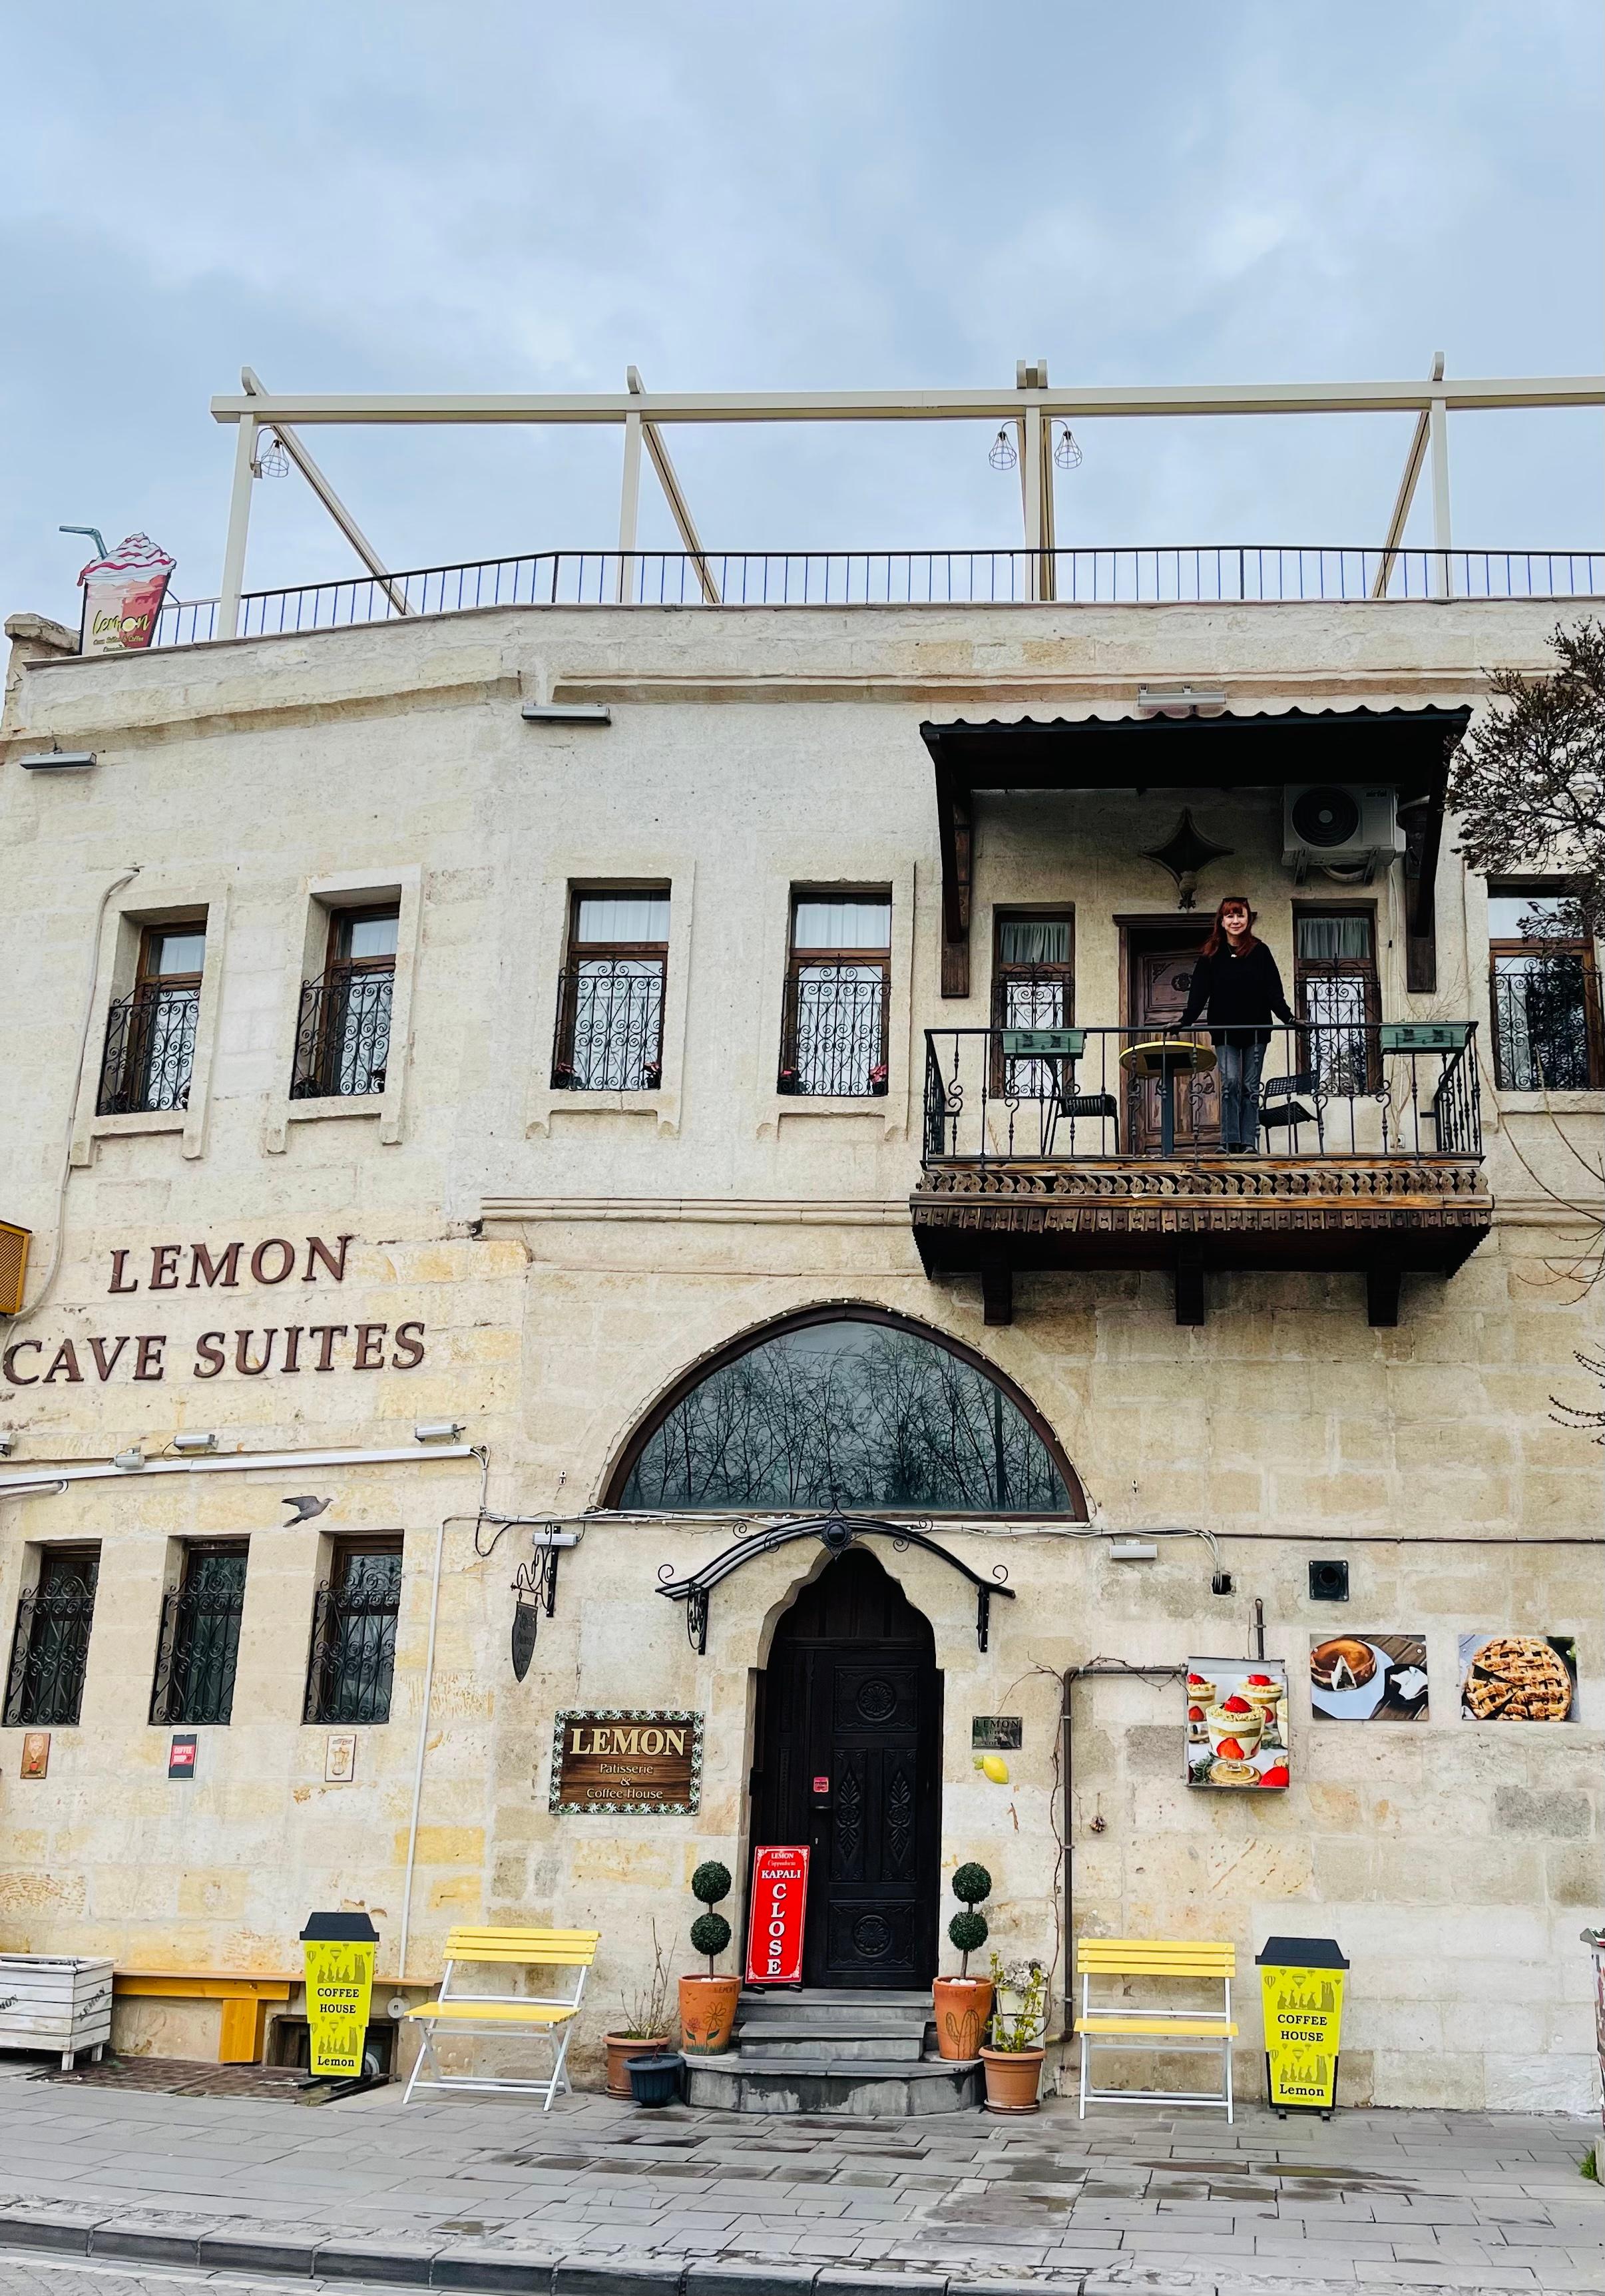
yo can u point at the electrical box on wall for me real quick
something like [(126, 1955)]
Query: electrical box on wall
[(1339, 825)]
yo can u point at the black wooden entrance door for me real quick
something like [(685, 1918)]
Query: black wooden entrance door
[(849, 1761)]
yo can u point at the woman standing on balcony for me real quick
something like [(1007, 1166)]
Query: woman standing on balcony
[(1237, 989)]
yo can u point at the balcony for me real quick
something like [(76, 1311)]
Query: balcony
[(150, 1050), (1054, 1149)]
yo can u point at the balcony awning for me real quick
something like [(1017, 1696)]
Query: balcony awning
[(1408, 749)]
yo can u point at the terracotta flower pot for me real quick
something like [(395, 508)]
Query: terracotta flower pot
[(962, 2006), (708, 2007), (620, 2048), (1012, 2077)]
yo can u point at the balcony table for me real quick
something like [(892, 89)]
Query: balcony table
[(1166, 1058)]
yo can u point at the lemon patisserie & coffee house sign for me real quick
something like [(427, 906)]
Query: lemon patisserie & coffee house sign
[(304, 1336), (614, 1760)]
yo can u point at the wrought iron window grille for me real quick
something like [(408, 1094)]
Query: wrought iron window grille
[(199, 1647), (342, 1044), (150, 1050), (50, 1651), (833, 1032), (353, 1656), (1547, 1031), (610, 1026)]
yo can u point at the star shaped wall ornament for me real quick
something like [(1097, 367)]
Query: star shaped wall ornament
[(1183, 854)]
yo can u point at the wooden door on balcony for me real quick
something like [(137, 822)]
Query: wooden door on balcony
[(1158, 973)]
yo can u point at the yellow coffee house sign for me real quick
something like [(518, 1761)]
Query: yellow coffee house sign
[(338, 1951), (1301, 1990)]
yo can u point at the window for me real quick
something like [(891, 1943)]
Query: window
[(199, 1640), (833, 1027), (50, 1648), (1033, 986), (609, 1000), (353, 1634), (1545, 994), (855, 1410), (342, 1044), (150, 1033), (1335, 987)]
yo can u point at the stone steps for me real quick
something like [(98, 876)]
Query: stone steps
[(834, 2050), (867, 2088)]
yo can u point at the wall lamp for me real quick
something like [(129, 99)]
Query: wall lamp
[(567, 713), (188, 1446), (1181, 702), (57, 760), (437, 1430)]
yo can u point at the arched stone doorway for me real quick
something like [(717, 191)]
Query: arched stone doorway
[(849, 1761)]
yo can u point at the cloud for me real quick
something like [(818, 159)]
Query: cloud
[(911, 191)]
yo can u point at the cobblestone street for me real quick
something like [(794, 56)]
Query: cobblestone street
[(597, 2197)]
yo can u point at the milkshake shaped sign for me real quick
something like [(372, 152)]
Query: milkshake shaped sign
[(123, 595)]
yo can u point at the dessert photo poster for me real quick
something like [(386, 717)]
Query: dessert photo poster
[(1365, 1677), (1237, 1723), (1518, 1679)]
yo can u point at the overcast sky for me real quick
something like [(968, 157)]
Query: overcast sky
[(383, 196)]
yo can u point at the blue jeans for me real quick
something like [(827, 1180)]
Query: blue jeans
[(1240, 1067)]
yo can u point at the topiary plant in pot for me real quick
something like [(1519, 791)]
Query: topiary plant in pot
[(707, 2005), (962, 2005)]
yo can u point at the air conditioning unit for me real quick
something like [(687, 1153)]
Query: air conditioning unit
[(1339, 825)]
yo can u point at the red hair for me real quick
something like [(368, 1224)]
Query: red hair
[(1218, 937)]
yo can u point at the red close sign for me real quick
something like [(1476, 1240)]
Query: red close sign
[(774, 1938)]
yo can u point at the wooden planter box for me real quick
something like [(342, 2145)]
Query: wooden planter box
[(54, 2002)]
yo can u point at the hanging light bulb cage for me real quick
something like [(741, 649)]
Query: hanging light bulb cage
[(1067, 454), (271, 460), (1003, 455)]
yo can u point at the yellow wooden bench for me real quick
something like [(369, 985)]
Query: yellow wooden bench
[(1124, 2025), (246, 1999), (504, 2015)]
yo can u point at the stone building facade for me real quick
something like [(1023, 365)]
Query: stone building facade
[(460, 1232)]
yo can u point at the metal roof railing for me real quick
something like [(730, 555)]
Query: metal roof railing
[(1224, 574)]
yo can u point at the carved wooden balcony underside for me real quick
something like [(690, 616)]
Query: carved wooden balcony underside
[(1377, 1216)]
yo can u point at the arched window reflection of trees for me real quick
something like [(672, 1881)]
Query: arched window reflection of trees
[(851, 1413)]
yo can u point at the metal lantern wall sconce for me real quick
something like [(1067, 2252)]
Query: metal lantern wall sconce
[(1067, 454), (534, 1588), (1003, 454)]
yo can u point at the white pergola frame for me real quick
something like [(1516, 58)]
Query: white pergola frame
[(1032, 407)]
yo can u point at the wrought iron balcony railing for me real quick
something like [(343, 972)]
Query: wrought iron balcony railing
[(342, 1043), (1225, 573), (150, 1051), (50, 1651), (1326, 1090), (197, 1651), (833, 1032), (610, 1027)]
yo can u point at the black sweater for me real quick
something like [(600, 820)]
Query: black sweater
[(1237, 990)]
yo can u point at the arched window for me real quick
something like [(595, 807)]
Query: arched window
[(852, 1409)]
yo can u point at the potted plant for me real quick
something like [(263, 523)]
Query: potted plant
[(1013, 2063), (643, 2030), (962, 2005), (707, 2005)]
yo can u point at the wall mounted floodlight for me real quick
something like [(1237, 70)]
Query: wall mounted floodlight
[(567, 713), (55, 761), (437, 1430), (187, 1446), (1133, 1550), (1179, 701), (129, 1460)]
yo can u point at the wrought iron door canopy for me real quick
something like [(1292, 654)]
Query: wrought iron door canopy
[(836, 1533)]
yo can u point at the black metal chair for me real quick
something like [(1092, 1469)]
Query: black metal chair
[(1101, 1105), (1281, 1107)]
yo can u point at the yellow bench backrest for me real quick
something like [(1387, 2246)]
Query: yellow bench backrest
[(545, 1949), (1154, 1957)]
